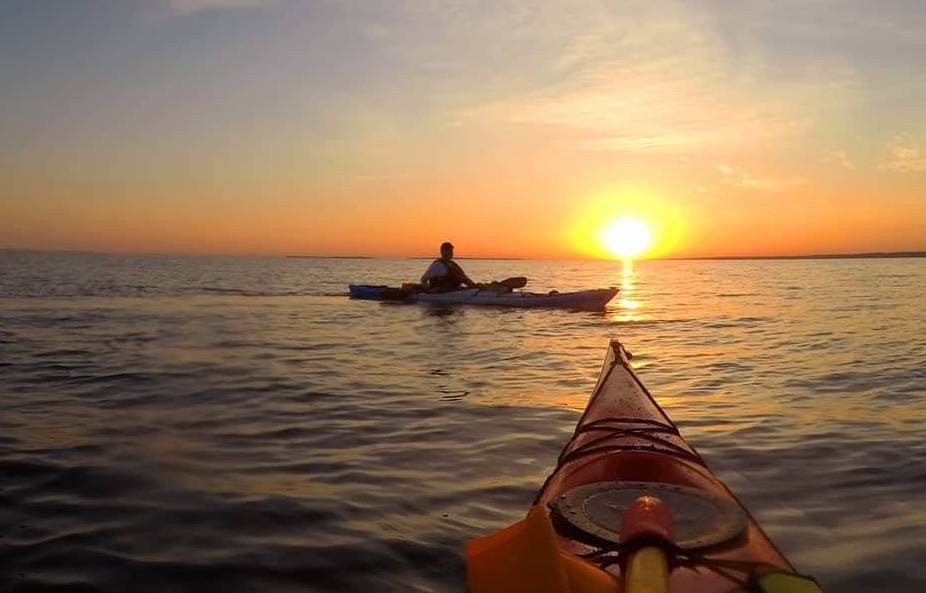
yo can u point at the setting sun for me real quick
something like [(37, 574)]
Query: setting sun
[(627, 237)]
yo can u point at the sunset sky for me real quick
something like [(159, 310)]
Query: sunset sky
[(512, 128)]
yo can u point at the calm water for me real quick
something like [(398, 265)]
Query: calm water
[(238, 424)]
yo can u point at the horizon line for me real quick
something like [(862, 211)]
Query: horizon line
[(854, 255)]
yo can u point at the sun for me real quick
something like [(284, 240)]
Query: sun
[(627, 237)]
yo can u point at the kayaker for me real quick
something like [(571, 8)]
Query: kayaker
[(444, 274)]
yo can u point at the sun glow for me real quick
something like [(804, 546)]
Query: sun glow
[(627, 238)]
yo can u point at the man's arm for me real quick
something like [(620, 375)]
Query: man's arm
[(467, 280)]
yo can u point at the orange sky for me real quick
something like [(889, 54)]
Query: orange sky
[(218, 126)]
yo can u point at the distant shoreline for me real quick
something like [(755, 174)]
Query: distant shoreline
[(872, 255), (410, 257), (330, 257), (867, 255), (473, 258)]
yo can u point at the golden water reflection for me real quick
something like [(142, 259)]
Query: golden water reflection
[(629, 306)]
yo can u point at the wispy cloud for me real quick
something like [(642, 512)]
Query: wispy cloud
[(183, 7), (664, 78), (728, 171), (840, 158), (773, 184), (737, 177), (903, 156), (670, 104)]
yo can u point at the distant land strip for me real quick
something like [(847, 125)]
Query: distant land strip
[(413, 257), (872, 255), (330, 257), (475, 258)]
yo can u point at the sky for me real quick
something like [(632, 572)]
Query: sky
[(512, 128)]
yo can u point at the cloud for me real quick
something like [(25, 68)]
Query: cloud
[(840, 158), (659, 77), (184, 7), (668, 104), (903, 156), (772, 184), (664, 76), (727, 170), (737, 177)]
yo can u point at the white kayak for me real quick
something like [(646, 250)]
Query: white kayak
[(593, 299)]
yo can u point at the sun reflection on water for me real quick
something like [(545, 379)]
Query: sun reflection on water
[(629, 307)]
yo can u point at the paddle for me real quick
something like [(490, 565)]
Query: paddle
[(508, 284), (391, 293), (647, 521), (514, 282)]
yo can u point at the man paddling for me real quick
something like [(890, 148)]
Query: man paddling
[(444, 274)]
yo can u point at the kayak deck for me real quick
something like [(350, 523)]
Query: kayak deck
[(626, 447)]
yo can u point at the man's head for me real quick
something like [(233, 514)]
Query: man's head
[(446, 250)]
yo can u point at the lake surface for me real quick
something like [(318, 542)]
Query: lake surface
[(239, 424)]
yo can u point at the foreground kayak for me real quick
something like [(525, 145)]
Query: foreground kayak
[(631, 508), (593, 299)]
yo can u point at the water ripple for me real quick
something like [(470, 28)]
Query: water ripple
[(171, 424)]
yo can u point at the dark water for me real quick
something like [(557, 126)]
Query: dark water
[(238, 424)]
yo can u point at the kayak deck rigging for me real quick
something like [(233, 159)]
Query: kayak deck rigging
[(611, 431)]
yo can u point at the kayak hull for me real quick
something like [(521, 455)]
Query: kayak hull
[(367, 292), (626, 447), (593, 299)]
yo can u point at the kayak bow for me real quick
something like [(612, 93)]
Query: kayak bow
[(631, 507)]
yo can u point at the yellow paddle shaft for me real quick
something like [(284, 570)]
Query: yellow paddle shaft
[(647, 572)]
